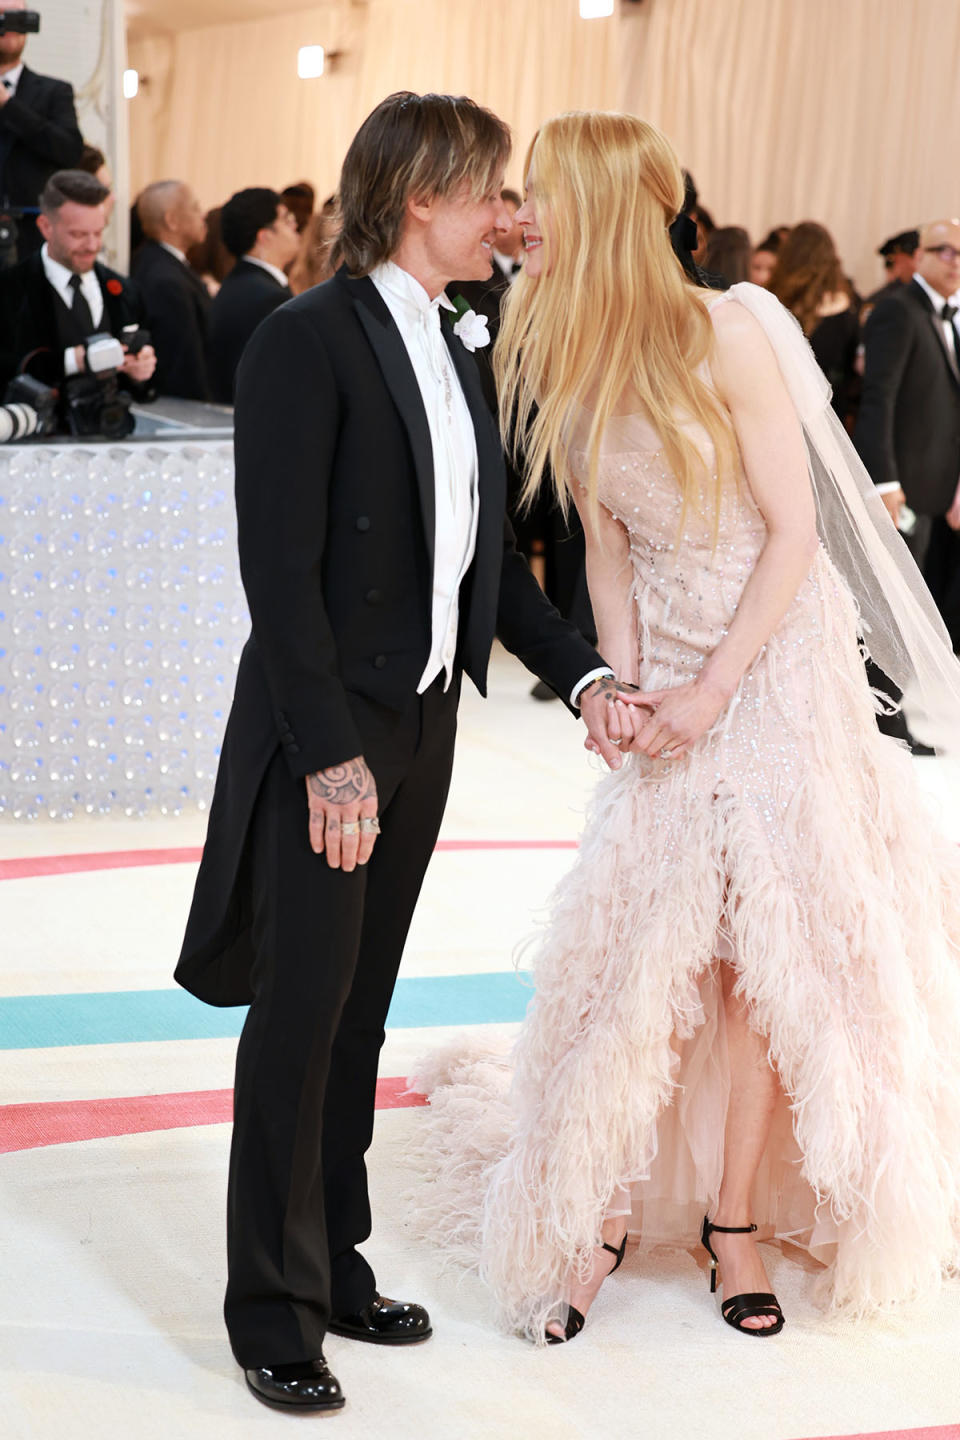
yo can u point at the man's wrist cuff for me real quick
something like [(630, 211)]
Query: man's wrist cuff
[(588, 679)]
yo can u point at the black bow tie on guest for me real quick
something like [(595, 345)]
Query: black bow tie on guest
[(81, 310)]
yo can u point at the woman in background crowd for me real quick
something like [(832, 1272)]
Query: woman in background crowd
[(728, 254), (211, 259), (809, 281), (312, 265)]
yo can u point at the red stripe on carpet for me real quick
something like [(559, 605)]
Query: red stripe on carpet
[(62, 1122), (938, 1432), (29, 867)]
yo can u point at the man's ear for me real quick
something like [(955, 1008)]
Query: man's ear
[(44, 226), (420, 207)]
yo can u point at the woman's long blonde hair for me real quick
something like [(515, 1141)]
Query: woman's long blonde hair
[(612, 317)]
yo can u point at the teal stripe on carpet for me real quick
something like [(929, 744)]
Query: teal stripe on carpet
[(120, 1017)]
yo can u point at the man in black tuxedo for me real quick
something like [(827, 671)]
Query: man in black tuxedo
[(177, 301), (899, 255), (261, 232), (908, 428), (51, 303), (38, 132), (378, 565)]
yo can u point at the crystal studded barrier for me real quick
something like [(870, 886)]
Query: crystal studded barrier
[(122, 619)]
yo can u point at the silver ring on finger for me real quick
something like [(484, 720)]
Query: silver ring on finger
[(616, 742), (350, 827), (370, 825), (667, 754)]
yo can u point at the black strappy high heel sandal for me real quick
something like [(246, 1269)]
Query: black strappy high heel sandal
[(740, 1307), (576, 1321)]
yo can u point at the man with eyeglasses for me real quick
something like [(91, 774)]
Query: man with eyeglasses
[(261, 232), (908, 429)]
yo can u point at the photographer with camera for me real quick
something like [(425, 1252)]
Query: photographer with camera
[(38, 131), (71, 322)]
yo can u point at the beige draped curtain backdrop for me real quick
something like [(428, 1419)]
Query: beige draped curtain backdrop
[(844, 111)]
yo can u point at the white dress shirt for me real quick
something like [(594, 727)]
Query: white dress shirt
[(505, 264), (172, 250), (12, 78), (947, 326), (454, 446), (59, 277), (273, 270)]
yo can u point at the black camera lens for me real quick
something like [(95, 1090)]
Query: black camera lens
[(19, 22), (115, 420)]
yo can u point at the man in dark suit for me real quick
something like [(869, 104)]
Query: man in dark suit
[(51, 303), (908, 429), (177, 301), (38, 132), (899, 255), (378, 565), (261, 232)]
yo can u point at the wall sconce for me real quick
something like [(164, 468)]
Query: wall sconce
[(310, 62)]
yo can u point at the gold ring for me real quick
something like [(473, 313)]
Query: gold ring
[(349, 827)]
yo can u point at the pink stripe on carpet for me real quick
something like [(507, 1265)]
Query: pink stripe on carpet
[(26, 867), (938, 1432), (29, 867), (61, 1122)]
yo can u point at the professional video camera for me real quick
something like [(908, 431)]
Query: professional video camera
[(95, 404), (29, 408), (19, 22)]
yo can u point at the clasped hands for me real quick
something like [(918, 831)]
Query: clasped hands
[(620, 717), (661, 723)]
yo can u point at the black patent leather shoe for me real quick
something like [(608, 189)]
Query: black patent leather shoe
[(385, 1322), (308, 1385)]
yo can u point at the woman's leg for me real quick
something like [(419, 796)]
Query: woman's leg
[(582, 1294), (754, 1089)]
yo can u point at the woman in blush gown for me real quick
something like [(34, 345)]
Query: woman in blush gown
[(747, 999)]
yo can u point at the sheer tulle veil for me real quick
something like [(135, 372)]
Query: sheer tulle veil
[(901, 627)]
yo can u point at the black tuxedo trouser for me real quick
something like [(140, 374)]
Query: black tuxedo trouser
[(942, 574), (328, 946)]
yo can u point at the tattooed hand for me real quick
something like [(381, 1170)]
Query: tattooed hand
[(341, 796), (605, 707)]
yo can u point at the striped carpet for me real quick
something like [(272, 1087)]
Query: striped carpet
[(114, 1126)]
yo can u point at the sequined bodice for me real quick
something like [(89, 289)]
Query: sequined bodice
[(689, 569)]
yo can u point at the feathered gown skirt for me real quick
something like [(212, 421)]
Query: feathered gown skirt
[(794, 843)]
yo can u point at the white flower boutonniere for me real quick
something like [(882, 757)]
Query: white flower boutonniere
[(470, 327)]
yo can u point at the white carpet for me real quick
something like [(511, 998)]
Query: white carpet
[(113, 1265)]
